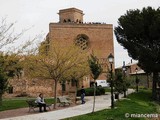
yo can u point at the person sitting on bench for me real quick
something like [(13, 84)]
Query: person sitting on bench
[(41, 103)]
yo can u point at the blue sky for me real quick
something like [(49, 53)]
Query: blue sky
[(39, 13)]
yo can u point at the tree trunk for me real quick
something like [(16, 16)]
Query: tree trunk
[(147, 80), (76, 91), (124, 93), (0, 99), (55, 94), (154, 85), (94, 97), (76, 94)]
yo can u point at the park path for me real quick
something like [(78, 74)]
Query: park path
[(102, 102)]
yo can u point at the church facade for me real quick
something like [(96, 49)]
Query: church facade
[(71, 29), (93, 36)]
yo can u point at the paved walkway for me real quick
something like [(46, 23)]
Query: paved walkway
[(102, 102)]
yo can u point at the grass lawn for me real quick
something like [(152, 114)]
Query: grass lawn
[(139, 103), (8, 104)]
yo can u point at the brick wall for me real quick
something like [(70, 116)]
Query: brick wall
[(100, 37)]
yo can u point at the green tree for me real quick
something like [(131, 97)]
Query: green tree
[(3, 85), (10, 55), (138, 31), (55, 63), (9, 67), (121, 84), (118, 83), (13, 65), (6, 38), (3, 79), (96, 70)]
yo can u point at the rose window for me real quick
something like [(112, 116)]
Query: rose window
[(82, 41)]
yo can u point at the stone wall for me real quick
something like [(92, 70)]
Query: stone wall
[(32, 86), (46, 86)]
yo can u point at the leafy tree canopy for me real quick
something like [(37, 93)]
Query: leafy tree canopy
[(10, 66), (138, 31), (95, 67)]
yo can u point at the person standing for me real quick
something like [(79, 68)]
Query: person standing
[(41, 103), (82, 94)]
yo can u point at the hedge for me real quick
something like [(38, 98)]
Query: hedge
[(90, 91)]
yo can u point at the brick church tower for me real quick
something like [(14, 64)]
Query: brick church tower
[(92, 36)]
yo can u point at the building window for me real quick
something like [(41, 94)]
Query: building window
[(73, 82), (10, 89), (77, 21), (82, 41), (69, 20), (63, 87), (64, 21)]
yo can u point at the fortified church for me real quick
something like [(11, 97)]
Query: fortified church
[(71, 29)]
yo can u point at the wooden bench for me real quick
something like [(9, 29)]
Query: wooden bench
[(63, 101), (32, 105)]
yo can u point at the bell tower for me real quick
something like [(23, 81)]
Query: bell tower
[(71, 15)]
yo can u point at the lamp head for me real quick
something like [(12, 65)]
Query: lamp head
[(123, 68), (111, 58)]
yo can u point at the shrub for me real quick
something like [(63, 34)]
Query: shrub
[(102, 90), (90, 91)]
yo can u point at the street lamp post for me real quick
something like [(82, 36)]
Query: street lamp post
[(137, 80), (111, 60), (124, 70)]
